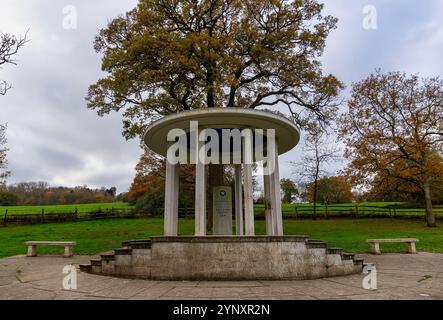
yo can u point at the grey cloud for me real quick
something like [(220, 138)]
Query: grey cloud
[(54, 137)]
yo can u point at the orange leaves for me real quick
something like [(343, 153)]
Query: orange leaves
[(336, 189), (393, 130)]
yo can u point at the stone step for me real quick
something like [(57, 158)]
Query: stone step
[(335, 251), (359, 262), (108, 265), (348, 256), (123, 252), (368, 264), (316, 244), (96, 266), (96, 263), (108, 257), (86, 268), (137, 244)]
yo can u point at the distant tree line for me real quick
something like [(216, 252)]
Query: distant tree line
[(41, 193)]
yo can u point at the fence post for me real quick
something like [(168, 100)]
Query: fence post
[(76, 214), (356, 210), (43, 214), (6, 215), (326, 211), (296, 212)]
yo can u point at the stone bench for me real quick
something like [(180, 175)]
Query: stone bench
[(32, 247), (375, 244)]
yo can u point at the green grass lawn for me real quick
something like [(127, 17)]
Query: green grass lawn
[(82, 208), (103, 235)]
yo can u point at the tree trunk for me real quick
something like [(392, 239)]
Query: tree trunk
[(430, 217), (315, 198)]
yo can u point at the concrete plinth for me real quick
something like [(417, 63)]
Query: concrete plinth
[(229, 258)]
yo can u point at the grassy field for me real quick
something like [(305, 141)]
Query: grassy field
[(82, 208), (103, 235), (366, 207)]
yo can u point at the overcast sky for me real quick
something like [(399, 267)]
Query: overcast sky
[(53, 137)]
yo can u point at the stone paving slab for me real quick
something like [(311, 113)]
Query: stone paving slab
[(400, 276)]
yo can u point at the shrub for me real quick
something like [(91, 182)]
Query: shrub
[(8, 199)]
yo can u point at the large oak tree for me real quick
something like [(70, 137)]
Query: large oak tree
[(168, 56), (394, 132)]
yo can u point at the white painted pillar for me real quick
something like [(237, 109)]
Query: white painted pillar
[(171, 199), (268, 208), (239, 201), (275, 195), (200, 196), (248, 186)]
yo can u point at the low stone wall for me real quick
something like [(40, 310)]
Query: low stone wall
[(245, 258), (226, 258)]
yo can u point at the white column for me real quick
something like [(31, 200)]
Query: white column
[(275, 195), (200, 196), (239, 200), (171, 200), (268, 208), (249, 193)]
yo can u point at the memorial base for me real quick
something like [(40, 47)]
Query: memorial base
[(226, 258)]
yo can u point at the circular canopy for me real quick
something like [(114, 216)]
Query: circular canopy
[(287, 133)]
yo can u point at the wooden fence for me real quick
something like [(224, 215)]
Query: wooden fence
[(357, 211), (325, 212), (26, 219), (295, 213)]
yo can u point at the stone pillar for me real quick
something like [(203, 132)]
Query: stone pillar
[(32, 251), (249, 192), (274, 188), (68, 252), (268, 207), (239, 201), (171, 199), (200, 196)]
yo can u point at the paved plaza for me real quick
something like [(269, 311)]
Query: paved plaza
[(400, 276)]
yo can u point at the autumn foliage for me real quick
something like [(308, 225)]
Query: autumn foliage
[(330, 190), (394, 134), (167, 56), (148, 188)]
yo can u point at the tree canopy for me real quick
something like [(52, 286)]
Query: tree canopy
[(3, 150), (9, 47), (289, 190), (394, 131), (147, 188), (166, 56), (330, 190)]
